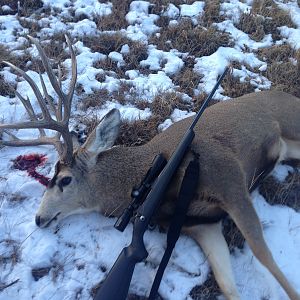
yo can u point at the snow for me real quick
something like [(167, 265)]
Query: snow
[(81, 249), (192, 10), (242, 39), (141, 22), (172, 63)]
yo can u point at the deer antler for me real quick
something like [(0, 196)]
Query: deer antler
[(61, 110)]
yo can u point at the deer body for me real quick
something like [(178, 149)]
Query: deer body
[(237, 142)]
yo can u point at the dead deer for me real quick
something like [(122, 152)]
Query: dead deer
[(237, 141)]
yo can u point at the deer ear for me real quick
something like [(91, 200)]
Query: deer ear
[(105, 134)]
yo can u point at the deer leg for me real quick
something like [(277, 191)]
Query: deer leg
[(212, 242), (292, 149), (246, 219)]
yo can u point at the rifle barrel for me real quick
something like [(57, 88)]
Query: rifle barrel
[(208, 98)]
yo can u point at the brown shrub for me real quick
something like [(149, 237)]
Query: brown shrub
[(137, 53), (186, 78), (185, 37), (6, 89), (211, 13), (116, 20), (277, 53), (274, 17), (163, 105), (252, 25), (209, 290), (282, 193), (138, 132), (233, 87), (285, 77), (106, 42), (31, 24), (96, 99), (199, 100)]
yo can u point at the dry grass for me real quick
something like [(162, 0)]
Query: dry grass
[(233, 87), (31, 24), (138, 132), (211, 13), (209, 290), (274, 17), (116, 20), (187, 79), (6, 89), (96, 99), (12, 255), (106, 42), (285, 76), (253, 25), (199, 100), (164, 103), (277, 53), (283, 67), (4, 55), (282, 193), (137, 53), (26, 7), (185, 37), (39, 273)]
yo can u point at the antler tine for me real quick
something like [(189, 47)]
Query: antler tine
[(46, 95), (35, 89), (65, 148), (26, 103), (73, 79), (43, 140), (48, 68)]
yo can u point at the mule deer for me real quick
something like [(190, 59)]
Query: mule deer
[(238, 142)]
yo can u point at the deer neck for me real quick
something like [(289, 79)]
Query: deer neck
[(124, 168)]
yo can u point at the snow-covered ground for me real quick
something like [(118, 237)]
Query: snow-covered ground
[(75, 255)]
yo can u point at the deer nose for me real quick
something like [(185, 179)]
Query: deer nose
[(38, 220)]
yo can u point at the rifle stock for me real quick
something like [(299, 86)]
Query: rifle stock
[(116, 287)]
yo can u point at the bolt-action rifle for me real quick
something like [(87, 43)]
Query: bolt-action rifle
[(146, 200)]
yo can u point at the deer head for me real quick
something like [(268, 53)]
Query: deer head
[(61, 196)]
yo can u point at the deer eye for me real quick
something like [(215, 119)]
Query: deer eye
[(65, 181)]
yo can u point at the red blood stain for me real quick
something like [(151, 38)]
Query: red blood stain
[(29, 163)]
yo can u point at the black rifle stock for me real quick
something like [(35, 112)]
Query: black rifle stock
[(116, 285)]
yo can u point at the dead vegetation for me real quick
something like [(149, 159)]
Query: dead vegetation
[(285, 76), (12, 253), (253, 25), (211, 13), (116, 20), (6, 89), (186, 37), (164, 104), (234, 87), (106, 42), (187, 79), (209, 290), (138, 132), (274, 17), (282, 193), (96, 99), (277, 53)]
